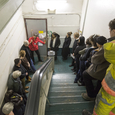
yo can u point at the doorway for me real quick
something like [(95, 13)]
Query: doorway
[(37, 26)]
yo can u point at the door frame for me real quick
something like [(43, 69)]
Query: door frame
[(37, 19)]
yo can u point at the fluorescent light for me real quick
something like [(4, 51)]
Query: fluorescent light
[(51, 4), (52, 1)]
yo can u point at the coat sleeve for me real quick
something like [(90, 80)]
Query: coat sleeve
[(58, 42), (85, 56), (76, 51), (68, 43), (29, 40), (98, 57), (40, 41), (51, 43)]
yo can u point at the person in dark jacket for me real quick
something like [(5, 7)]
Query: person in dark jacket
[(15, 84), (24, 73), (55, 43), (65, 49), (17, 100), (81, 46), (28, 54), (96, 71), (82, 63), (86, 58), (25, 62), (75, 44)]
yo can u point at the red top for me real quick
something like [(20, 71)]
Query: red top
[(34, 45)]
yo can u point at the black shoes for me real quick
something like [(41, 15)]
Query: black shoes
[(85, 112), (80, 83), (70, 65), (40, 61)]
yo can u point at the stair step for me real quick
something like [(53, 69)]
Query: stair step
[(66, 99), (71, 88), (66, 93), (54, 81), (67, 112), (77, 106), (64, 76), (63, 84)]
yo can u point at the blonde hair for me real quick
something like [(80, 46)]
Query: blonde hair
[(76, 34), (22, 53)]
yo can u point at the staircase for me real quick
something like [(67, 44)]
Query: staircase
[(64, 95)]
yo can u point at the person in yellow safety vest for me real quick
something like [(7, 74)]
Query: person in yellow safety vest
[(105, 100)]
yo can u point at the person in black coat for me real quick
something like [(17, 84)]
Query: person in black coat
[(81, 46), (75, 44), (17, 100), (28, 54), (54, 43), (24, 72), (65, 49)]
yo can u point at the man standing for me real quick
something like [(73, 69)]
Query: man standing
[(33, 46)]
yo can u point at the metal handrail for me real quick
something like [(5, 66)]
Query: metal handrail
[(35, 88)]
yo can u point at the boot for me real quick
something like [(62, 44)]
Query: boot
[(85, 112)]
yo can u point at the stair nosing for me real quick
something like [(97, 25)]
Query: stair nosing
[(64, 96), (68, 91), (52, 104)]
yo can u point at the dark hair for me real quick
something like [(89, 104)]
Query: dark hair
[(88, 41), (55, 34), (112, 24), (7, 95), (69, 33), (35, 35), (16, 61), (82, 40), (93, 39)]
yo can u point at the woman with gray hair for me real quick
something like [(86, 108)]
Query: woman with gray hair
[(8, 108)]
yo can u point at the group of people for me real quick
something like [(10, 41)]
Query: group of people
[(55, 43), (91, 61), (94, 66), (15, 97)]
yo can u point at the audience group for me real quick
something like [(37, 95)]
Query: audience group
[(93, 64), (15, 97)]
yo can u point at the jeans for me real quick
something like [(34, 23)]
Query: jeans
[(80, 71), (32, 65)]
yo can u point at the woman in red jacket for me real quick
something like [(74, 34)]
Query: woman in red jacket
[(33, 46)]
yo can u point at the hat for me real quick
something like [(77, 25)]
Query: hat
[(101, 40), (16, 74), (7, 108)]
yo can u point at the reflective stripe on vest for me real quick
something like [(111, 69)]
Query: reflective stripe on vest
[(108, 84), (99, 98), (111, 113), (94, 113)]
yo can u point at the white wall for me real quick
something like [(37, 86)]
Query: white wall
[(11, 40), (83, 14), (99, 13), (59, 23)]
